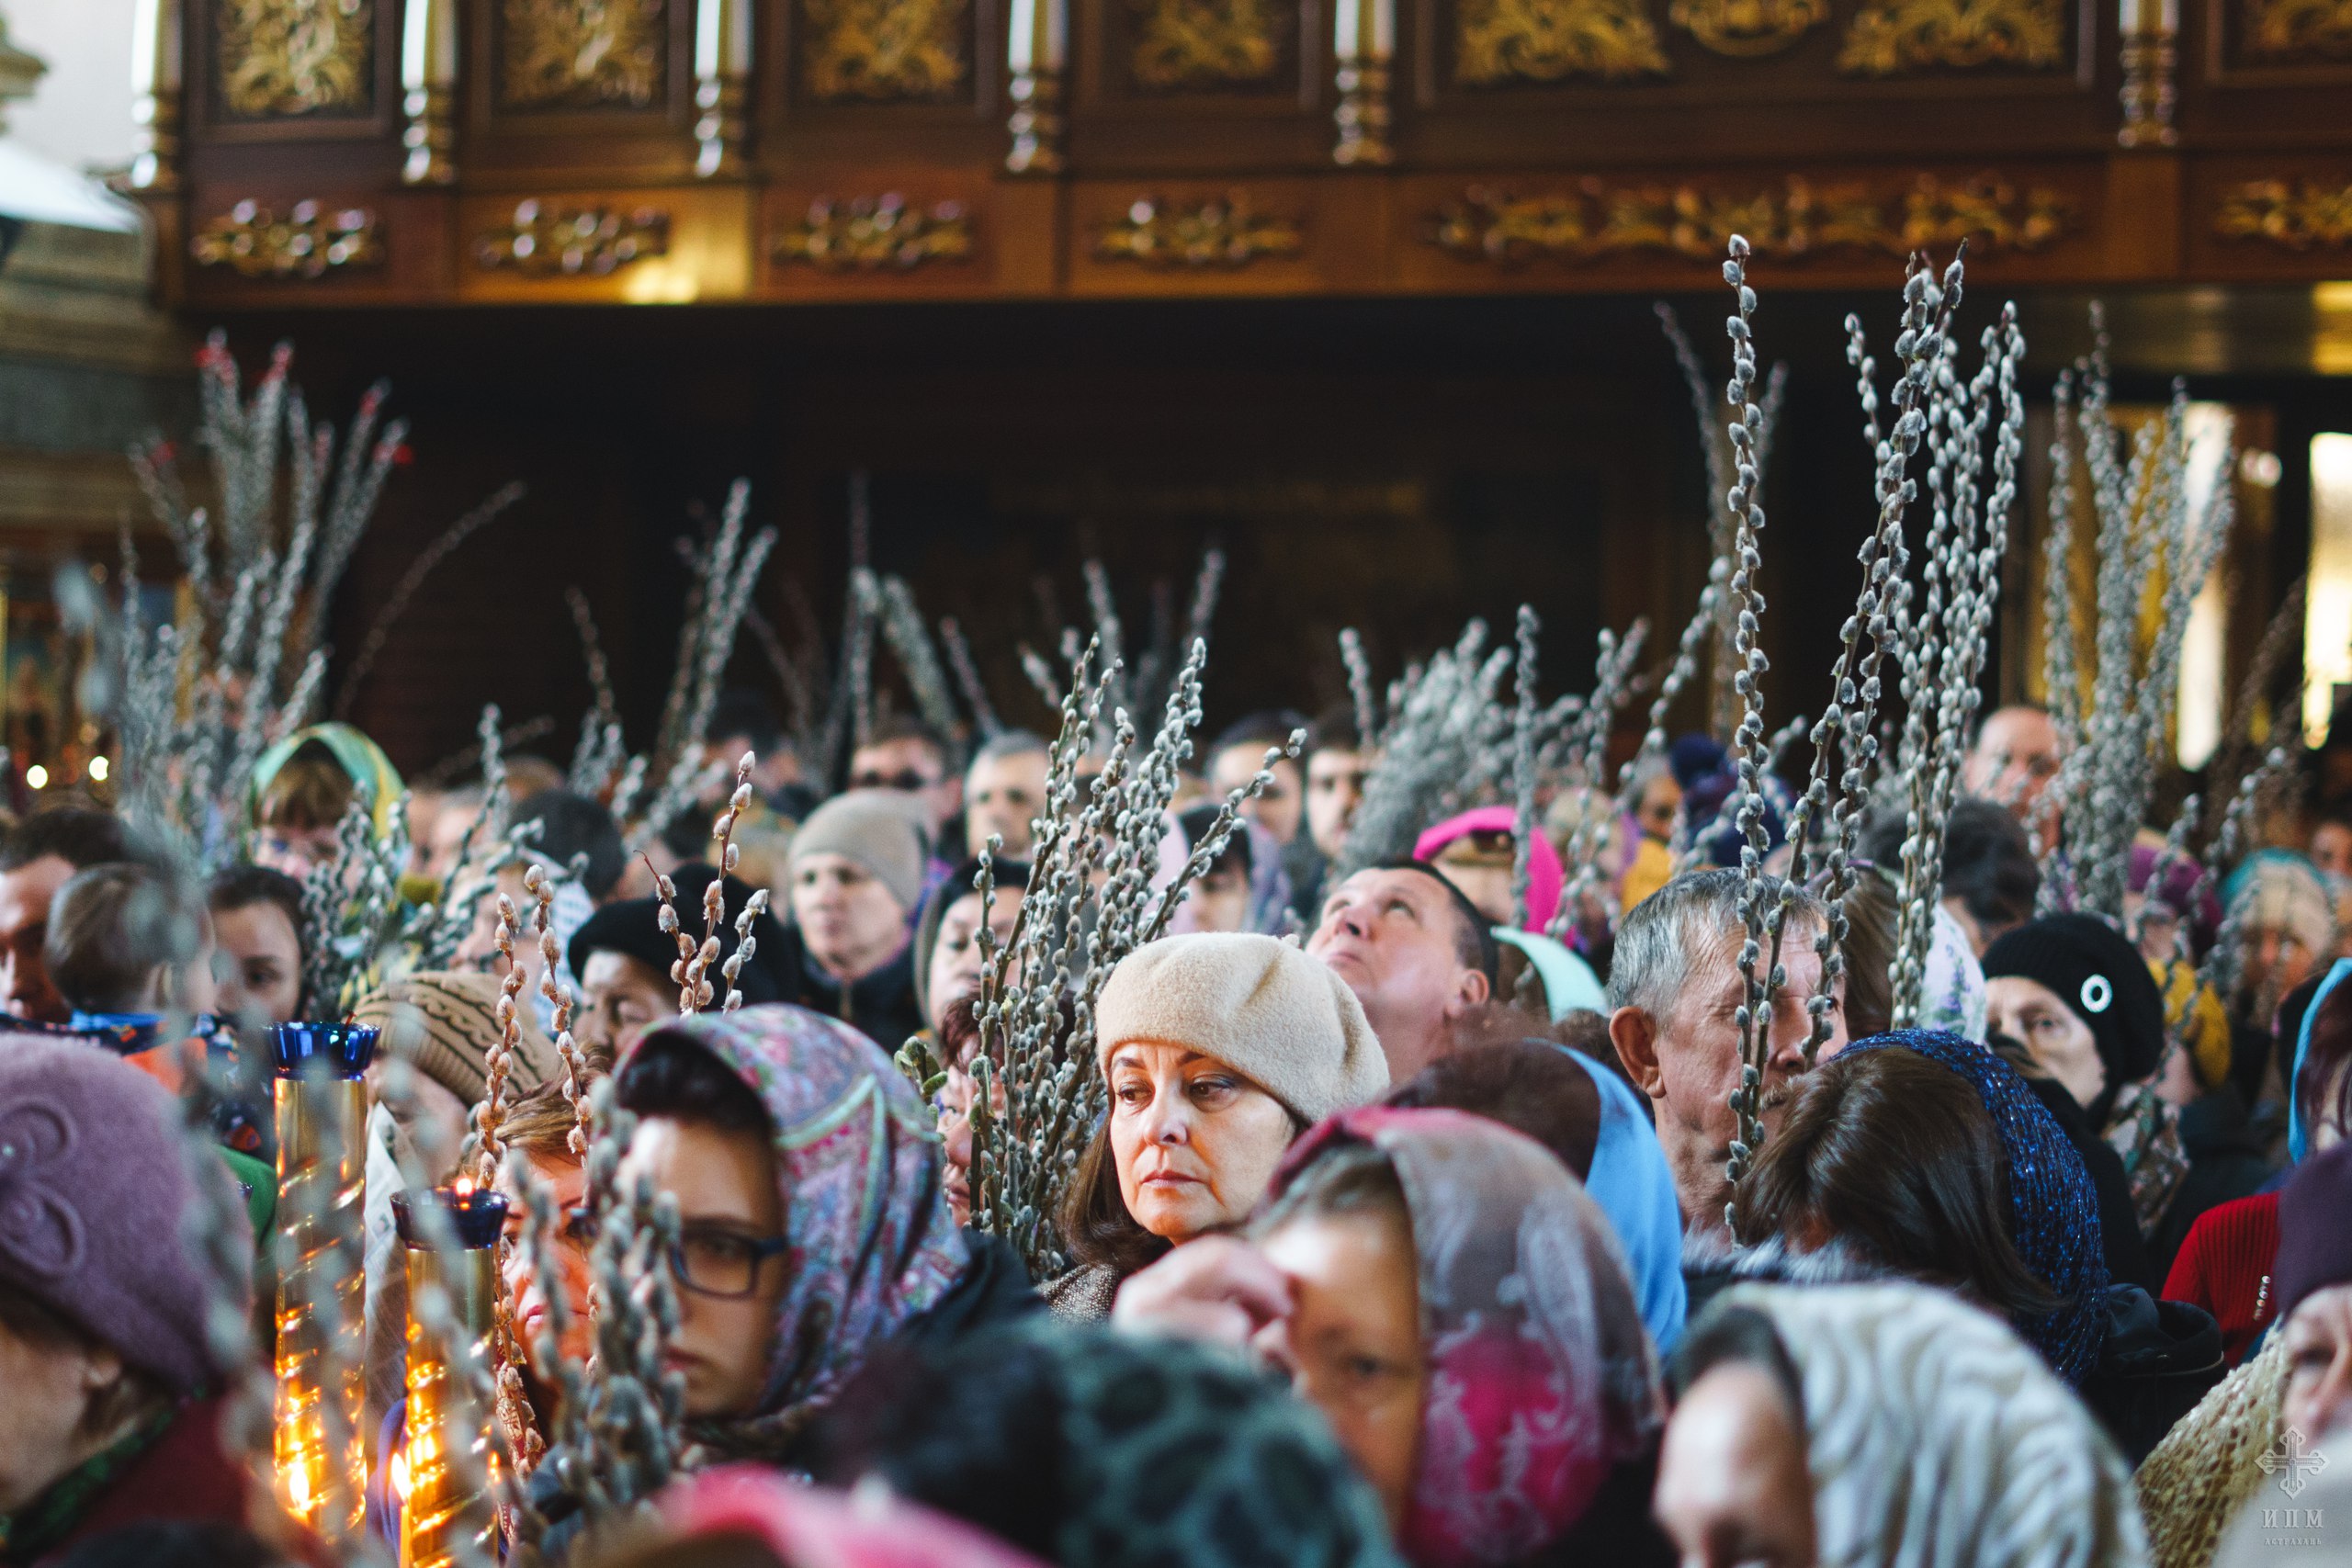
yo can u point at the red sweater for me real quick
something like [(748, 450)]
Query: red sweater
[(2224, 1267)]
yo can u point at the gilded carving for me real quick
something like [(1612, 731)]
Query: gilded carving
[(1547, 40), (1165, 235), (2309, 214), (2289, 29), (1746, 29), (581, 53), (880, 51), (280, 58), (1888, 37), (874, 232), (1206, 43), (1793, 220), (542, 241), (309, 242)]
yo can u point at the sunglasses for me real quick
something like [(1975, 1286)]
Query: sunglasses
[(905, 779)]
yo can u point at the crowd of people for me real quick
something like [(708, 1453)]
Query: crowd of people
[(1407, 1233), (1465, 1137)]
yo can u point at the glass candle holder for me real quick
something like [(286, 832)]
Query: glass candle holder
[(447, 1512)]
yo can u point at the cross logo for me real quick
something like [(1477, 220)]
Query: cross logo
[(2289, 1454)]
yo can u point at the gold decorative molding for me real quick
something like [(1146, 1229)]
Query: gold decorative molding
[(1206, 43), (573, 242), (309, 242), (1747, 28), (1795, 220), (282, 58), (883, 50), (871, 233), (1889, 37), (2296, 29), (581, 53), (1549, 41), (1225, 234), (2306, 215)]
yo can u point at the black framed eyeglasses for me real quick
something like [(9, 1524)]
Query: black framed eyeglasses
[(723, 1264)]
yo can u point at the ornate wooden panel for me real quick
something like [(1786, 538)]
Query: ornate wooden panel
[(580, 54), (272, 70)]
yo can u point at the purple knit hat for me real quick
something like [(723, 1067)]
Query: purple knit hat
[(93, 1186), (2314, 1243)]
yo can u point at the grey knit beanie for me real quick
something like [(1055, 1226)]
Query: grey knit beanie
[(94, 1188), (1261, 1005), (881, 829)]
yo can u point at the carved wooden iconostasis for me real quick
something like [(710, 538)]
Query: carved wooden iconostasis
[(409, 152)]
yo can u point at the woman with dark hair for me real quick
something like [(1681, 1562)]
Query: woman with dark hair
[(1215, 1050), (1889, 1161), (813, 1222), (1883, 1426), (1969, 1183)]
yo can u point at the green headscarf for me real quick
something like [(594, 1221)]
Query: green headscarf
[(370, 771)]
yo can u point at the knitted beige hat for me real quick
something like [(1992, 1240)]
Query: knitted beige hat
[(1260, 1006), (442, 1023), (881, 829)]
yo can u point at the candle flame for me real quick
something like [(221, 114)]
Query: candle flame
[(397, 1473), (463, 1187)]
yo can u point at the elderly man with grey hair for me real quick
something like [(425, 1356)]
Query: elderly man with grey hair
[(1675, 990)]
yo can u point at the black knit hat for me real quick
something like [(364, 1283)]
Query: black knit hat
[(633, 926), (2090, 967)]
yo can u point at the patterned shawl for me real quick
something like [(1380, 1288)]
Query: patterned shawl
[(2054, 1208), (1539, 1377), (858, 1165), (1936, 1439)]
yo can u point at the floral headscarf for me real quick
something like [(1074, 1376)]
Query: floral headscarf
[(1539, 1377), (859, 1167), (822, 1529), (2054, 1208), (1952, 997), (1936, 1439)]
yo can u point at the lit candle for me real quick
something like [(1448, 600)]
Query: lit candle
[(1021, 42), (444, 1462), (322, 1108)]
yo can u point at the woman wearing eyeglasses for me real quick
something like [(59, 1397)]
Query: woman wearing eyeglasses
[(813, 1218)]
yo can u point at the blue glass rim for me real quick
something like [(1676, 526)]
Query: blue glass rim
[(476, 1221), (341, 1050)]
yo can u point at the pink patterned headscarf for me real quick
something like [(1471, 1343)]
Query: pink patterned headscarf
[(859, 1166), (812, 1527), (1544, 875), (1539, 1377)]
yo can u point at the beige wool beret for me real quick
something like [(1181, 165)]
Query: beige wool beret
[(1262, 1007)]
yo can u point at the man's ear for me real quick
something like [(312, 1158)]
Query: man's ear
[(1635, 1034), (1470, 993)]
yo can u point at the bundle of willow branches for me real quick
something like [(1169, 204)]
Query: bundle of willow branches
[(1089, 903), (2153, 545), (1720, 619), (1845, 741), (1942, 650), (195, 703)]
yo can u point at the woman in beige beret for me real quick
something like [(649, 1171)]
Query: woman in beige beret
[(1215, 1050)]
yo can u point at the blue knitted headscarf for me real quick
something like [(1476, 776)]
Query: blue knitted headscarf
[(2054, 1208)]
